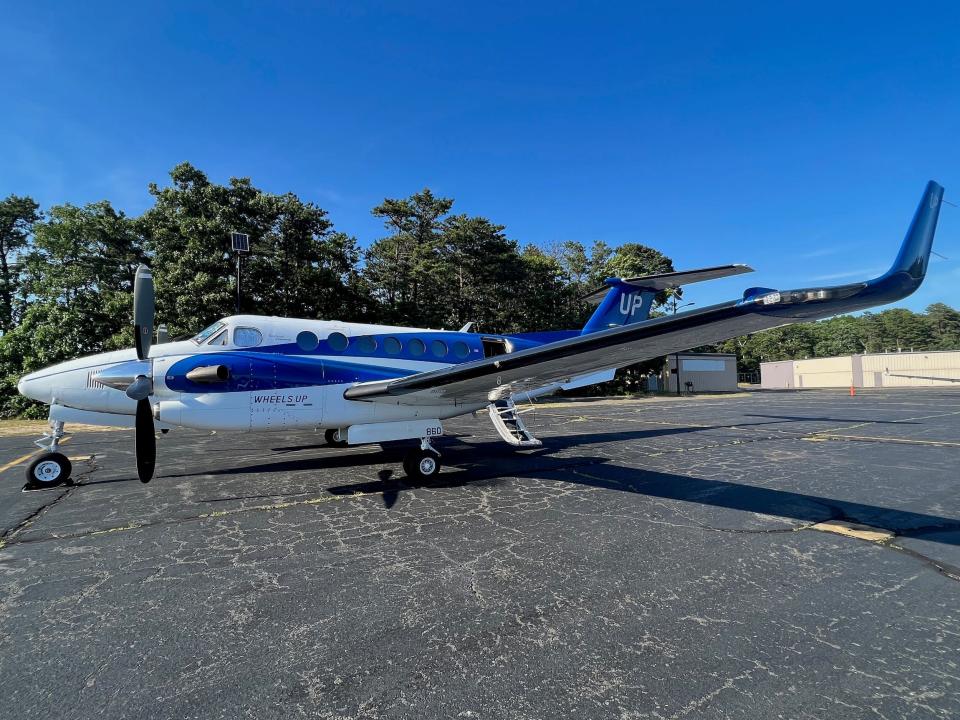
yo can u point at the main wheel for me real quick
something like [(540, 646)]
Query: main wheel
[(421, 464), (331, 437), (48, 470)]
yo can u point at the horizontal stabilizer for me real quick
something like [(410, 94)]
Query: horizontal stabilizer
[(665, 281)]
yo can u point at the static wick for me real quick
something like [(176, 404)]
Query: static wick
[(942, 257)]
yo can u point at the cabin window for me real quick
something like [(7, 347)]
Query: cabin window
[(366, 344), (307, 341), (461, 349), (392, 346), (337, 341), (247, 337), (417, 347), (201, 336), (438, 348)]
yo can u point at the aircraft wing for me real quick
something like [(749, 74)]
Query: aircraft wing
[(483, 381)]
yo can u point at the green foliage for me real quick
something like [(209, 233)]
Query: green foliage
[(405, 269), (944, 325), (187, 234), (17, 218), (543, 296), (301, 267), (477, 260), (632, 259)]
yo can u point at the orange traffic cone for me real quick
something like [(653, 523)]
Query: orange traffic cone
[(853, 391)]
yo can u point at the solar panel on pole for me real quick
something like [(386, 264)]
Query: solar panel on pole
[(240, 242)]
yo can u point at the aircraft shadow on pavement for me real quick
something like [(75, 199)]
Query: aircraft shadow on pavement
[(487, 453), (601, 473), (714, 493), (489, 462)]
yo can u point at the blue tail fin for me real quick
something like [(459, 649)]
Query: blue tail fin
[(629, 300), (623, 304)]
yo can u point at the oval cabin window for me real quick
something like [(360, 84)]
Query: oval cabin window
[(337, 341), (392, 346), (438, 348), (461, 349), (366, 344), (307, 341), (417, 347)]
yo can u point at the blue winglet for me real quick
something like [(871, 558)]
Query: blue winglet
[(903, 277), (915, 252)]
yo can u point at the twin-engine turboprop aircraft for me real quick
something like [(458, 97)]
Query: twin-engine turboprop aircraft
[(376, 383)]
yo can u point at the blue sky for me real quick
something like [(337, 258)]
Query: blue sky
[(797, 139)]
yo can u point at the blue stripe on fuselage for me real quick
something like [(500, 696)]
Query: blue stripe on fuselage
[(251, 371), (287, 365)]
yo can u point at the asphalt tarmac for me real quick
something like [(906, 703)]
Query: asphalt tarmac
[(654, 559)]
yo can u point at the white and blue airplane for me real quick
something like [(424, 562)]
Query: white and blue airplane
[(378, 383)]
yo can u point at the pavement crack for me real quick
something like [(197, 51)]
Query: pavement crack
[(946, 569), (10, 535)]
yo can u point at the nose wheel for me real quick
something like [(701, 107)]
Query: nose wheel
[(52, 467), (48, 470), (422, 463)]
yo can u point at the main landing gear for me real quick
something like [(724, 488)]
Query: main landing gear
[(332, 437), (422, 463), (52, 467)]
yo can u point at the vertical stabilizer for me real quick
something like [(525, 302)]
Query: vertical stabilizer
[(628, 300), (623, 304)]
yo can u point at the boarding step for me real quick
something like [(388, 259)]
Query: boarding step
[(506, 419)]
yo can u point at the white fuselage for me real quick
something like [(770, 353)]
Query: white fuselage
[(312, 399)]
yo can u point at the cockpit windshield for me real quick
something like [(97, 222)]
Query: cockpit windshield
[(207, 332)]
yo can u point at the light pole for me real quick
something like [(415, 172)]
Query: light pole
[(240, 242), (676, 356)]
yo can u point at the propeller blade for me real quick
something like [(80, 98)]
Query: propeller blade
[(146, 441), (143, 310)]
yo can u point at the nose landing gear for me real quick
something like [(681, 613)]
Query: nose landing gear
[(52, 467)]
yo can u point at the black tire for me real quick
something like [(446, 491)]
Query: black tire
[(421, 464), (49, 470), (331, 437)]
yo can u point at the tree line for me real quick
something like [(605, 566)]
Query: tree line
[(66, 272), (66, 276)]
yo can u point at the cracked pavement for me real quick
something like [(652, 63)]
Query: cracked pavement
[(654, 559)]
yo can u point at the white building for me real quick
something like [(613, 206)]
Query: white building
[(903, 369), (705, 372)]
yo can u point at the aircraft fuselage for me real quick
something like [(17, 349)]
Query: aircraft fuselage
[(280, 373)]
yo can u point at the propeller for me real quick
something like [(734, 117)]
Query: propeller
[(142, 387)]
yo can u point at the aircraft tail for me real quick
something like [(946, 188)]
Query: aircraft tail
[(628, 300)]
